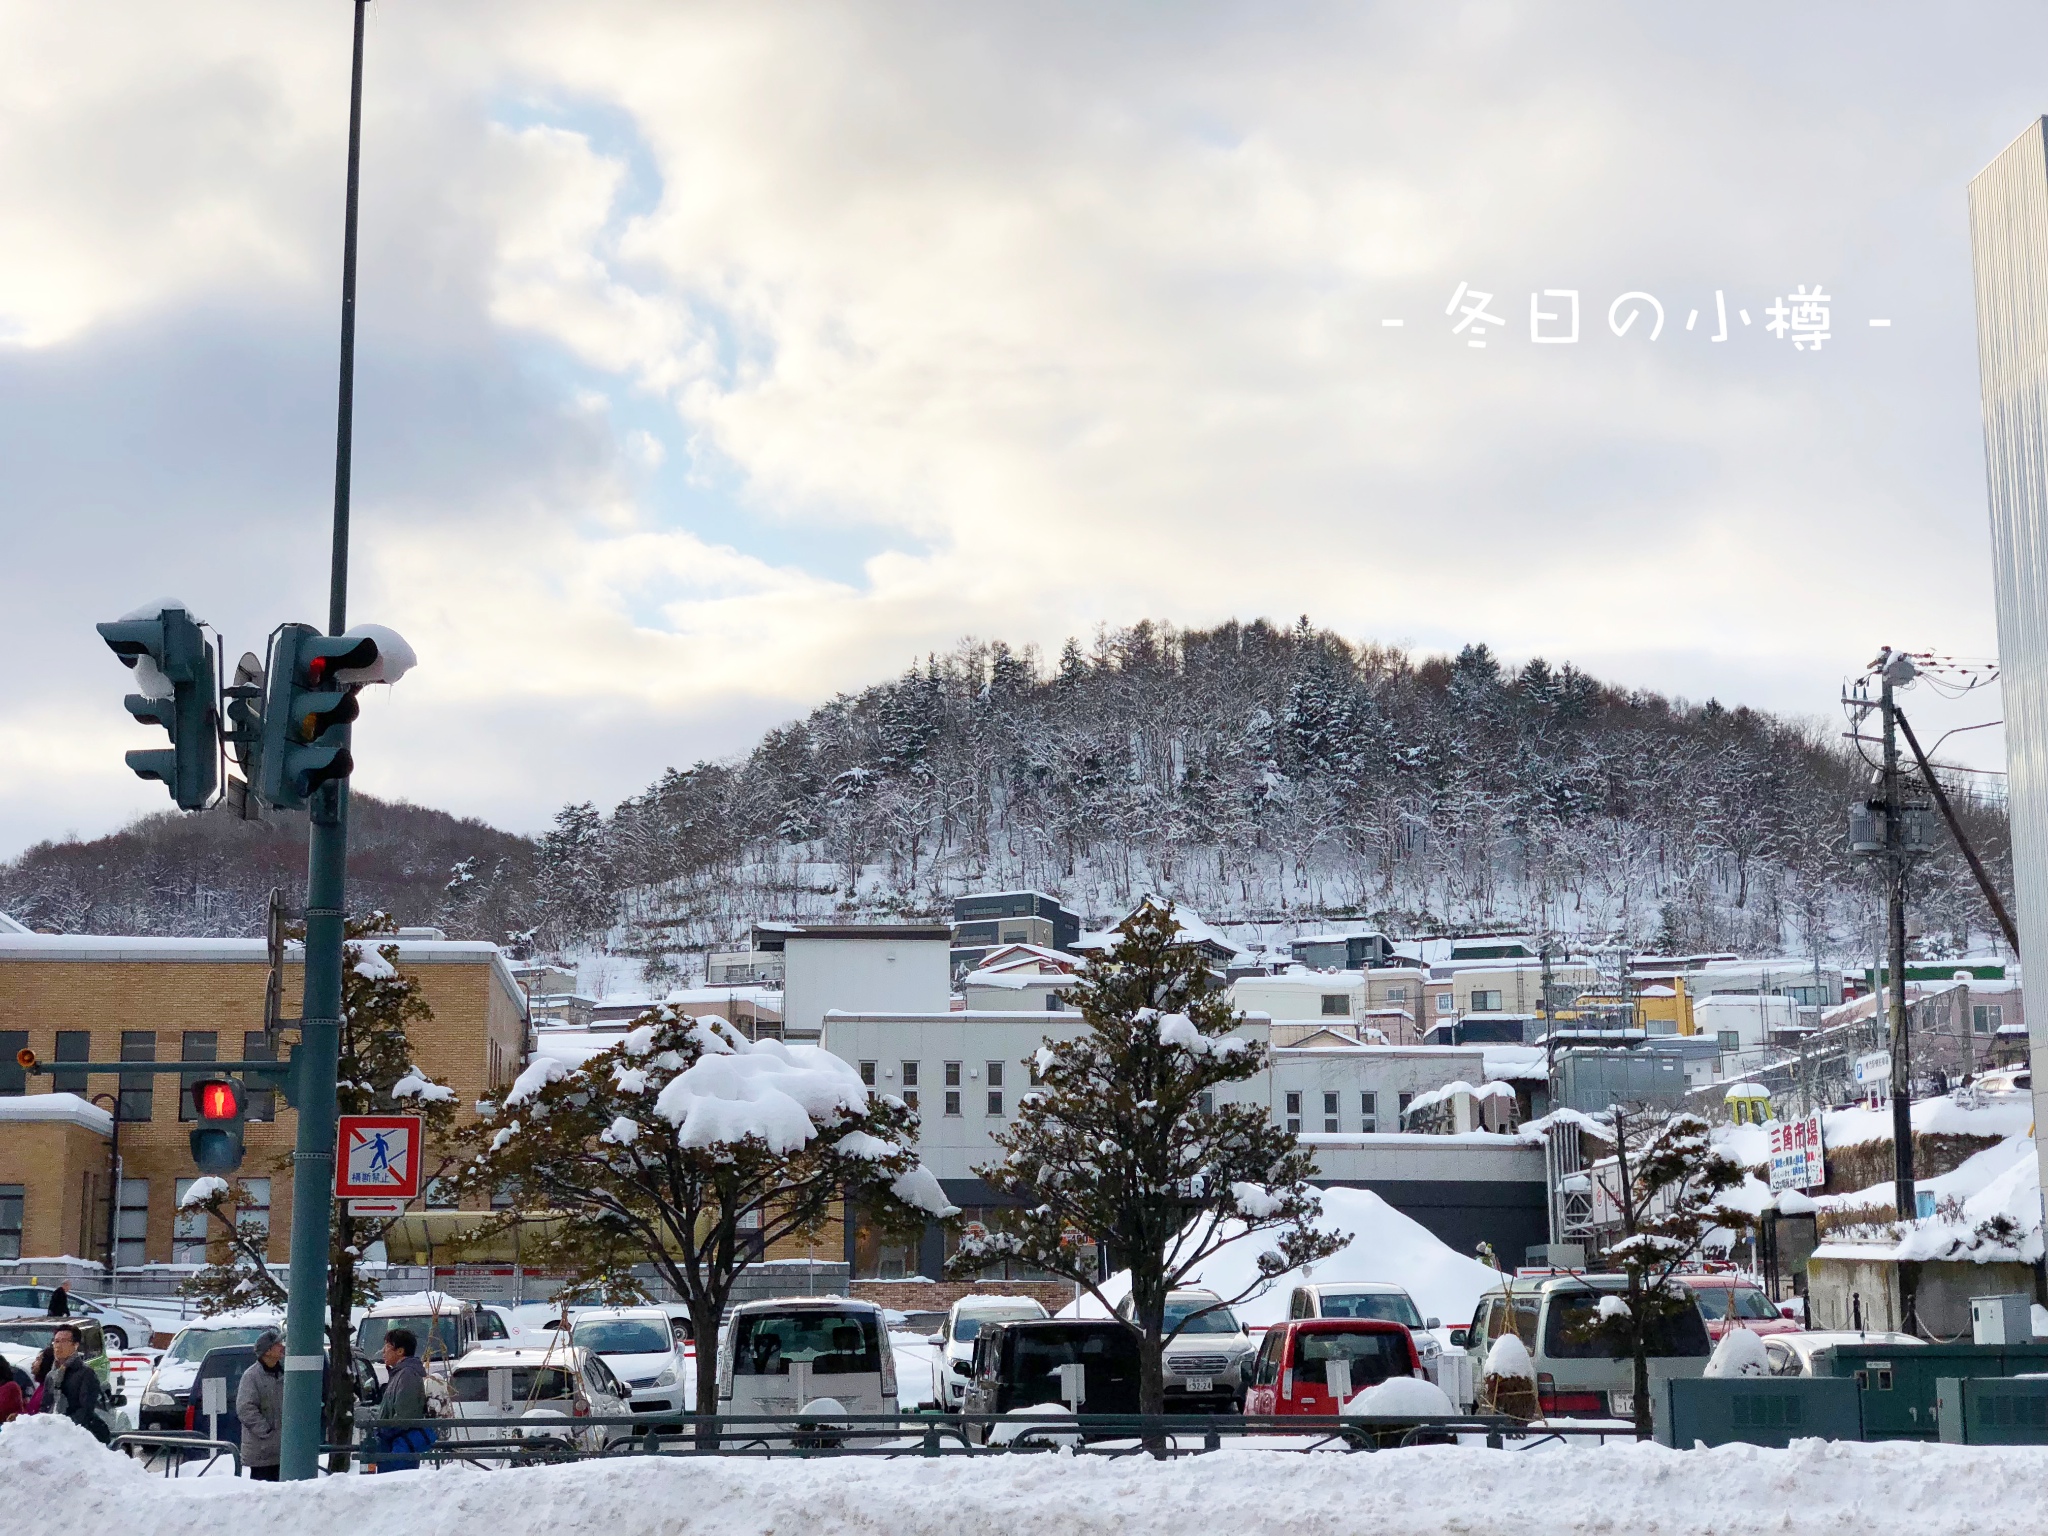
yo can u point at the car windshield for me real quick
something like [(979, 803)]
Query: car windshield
[(37, 1332), (1373, 1356), (192, 1343), (968, 1325), (439, 1342), (625, 1336), (1037, 1352), (1385, 1306), (1180, 1314), (1754, 1304), (1574, 1330), (830, 1343)]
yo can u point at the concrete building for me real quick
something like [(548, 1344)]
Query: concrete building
[(1386, 998), (54, 1176), (2009, 251), (72, 997), (859, 967), (1021, 978), (983, 921)]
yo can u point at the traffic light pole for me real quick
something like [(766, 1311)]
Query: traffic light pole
[(316, 1057)]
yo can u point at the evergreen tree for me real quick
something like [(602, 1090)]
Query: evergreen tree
[(1122, 1141)]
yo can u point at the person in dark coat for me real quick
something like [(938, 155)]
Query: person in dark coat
[(70, 1388), (259, 1404), (60, 1299), (405, 1397)]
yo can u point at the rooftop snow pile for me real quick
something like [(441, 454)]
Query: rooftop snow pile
[(62, 1484), (763, 1088), (1385, 1245)]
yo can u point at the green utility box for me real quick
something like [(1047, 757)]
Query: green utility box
[(1992, 1411), (1759, 1410), (1899, 1380)]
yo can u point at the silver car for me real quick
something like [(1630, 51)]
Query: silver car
[(124, 1329), (1208, 1363)]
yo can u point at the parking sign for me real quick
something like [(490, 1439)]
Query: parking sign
[(378, 1155)]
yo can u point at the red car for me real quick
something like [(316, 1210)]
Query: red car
[(1291, 1373), (1727, 1302)]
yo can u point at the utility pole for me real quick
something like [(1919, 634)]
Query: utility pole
[(1904, 1191), (315, 1060)]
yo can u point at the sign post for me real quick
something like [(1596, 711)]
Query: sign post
[(1796, 1158)]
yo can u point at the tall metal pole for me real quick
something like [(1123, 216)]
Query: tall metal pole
[(113, 1196), (315, 1060), (1904, 1196)]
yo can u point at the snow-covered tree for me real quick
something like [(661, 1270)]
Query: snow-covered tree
[(689, 1147), (1122, 1141), (240, 1277), (1666, 1181)]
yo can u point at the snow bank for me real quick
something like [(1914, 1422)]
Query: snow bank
[(1385, 1245), (1740, 1353), (1402, 1395), (61, 1484)]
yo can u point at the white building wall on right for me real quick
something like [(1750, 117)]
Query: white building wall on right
[(2009, 254)]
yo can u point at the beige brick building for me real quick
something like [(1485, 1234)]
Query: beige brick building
[(77, 997)]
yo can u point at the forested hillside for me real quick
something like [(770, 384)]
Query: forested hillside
[(212, 873), (1261, 775), (1264, 776)]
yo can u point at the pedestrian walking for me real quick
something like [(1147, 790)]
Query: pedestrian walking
[(405, 1397), (259, 1404), (60, 1299), (70, 1388)]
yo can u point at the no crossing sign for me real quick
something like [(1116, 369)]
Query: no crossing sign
[(378, 1155)]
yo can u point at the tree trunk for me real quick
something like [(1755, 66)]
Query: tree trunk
[(340, 1418), (704, 1323), (1642, 1381)]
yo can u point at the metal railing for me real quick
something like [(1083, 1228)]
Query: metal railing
[(529, 1440), (187, 1448)]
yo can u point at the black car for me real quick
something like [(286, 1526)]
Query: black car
[(1017, 1365), (227, 1365)]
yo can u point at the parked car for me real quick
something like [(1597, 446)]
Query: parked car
[(954, 1342), (1580, 1371), (544, 1382), (1368, 1298), (1793, 1354), (774, 1357), (642, 1349), (493, 1324), (163, 1394), (1017, 1365), (445, 1327), (226, 1363), (1209, 1361), (1293, 1371), (1727, 1302), (121, 1327)]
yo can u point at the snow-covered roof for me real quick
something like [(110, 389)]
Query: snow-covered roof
[(9, 925), (1016, 978), (60, 1108)]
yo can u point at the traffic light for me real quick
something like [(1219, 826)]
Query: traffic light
[(217, 1142), (173, 664), (307, 707)]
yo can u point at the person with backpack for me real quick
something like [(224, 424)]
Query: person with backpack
[(405, 1397)]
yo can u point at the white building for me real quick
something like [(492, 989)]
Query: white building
[(860, 967)]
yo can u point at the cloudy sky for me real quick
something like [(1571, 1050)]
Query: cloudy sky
[(717, 357)]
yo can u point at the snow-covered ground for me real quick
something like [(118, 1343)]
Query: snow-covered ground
[(61, 1484)]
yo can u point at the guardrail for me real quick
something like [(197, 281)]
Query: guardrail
[(184, 1445), (529, 1440)]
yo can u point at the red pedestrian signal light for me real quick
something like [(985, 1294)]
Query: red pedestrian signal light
[(216, 1100)]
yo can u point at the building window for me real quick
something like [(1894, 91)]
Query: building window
[(1329, 1112), (1484, 1002), (952, 1074), (1336, 1003), (13, 1076), (13, 1201), (199, 1045), (1054, 1003), (1987, 1018), (1730, 1040), (995, 1087), (952, 1102), (1205, 1101), (1294, 1113), (910, 1098), (1401, 1106), (138, 1089), (72, 1045), (867, 1073), (255, 1208), (131, 1224), (1397, 994), (262, 1102), (910, 1074), (1368, 1112), (1445, 1003)]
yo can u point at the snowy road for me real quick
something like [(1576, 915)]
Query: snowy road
[(62, 1484)]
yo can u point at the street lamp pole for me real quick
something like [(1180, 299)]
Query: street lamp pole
[(113, 1193)]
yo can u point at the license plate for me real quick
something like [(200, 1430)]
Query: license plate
[(1201, 1383), (1622, 1404)]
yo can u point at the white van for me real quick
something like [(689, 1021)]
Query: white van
[(444, 1326), (775, 1357)]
